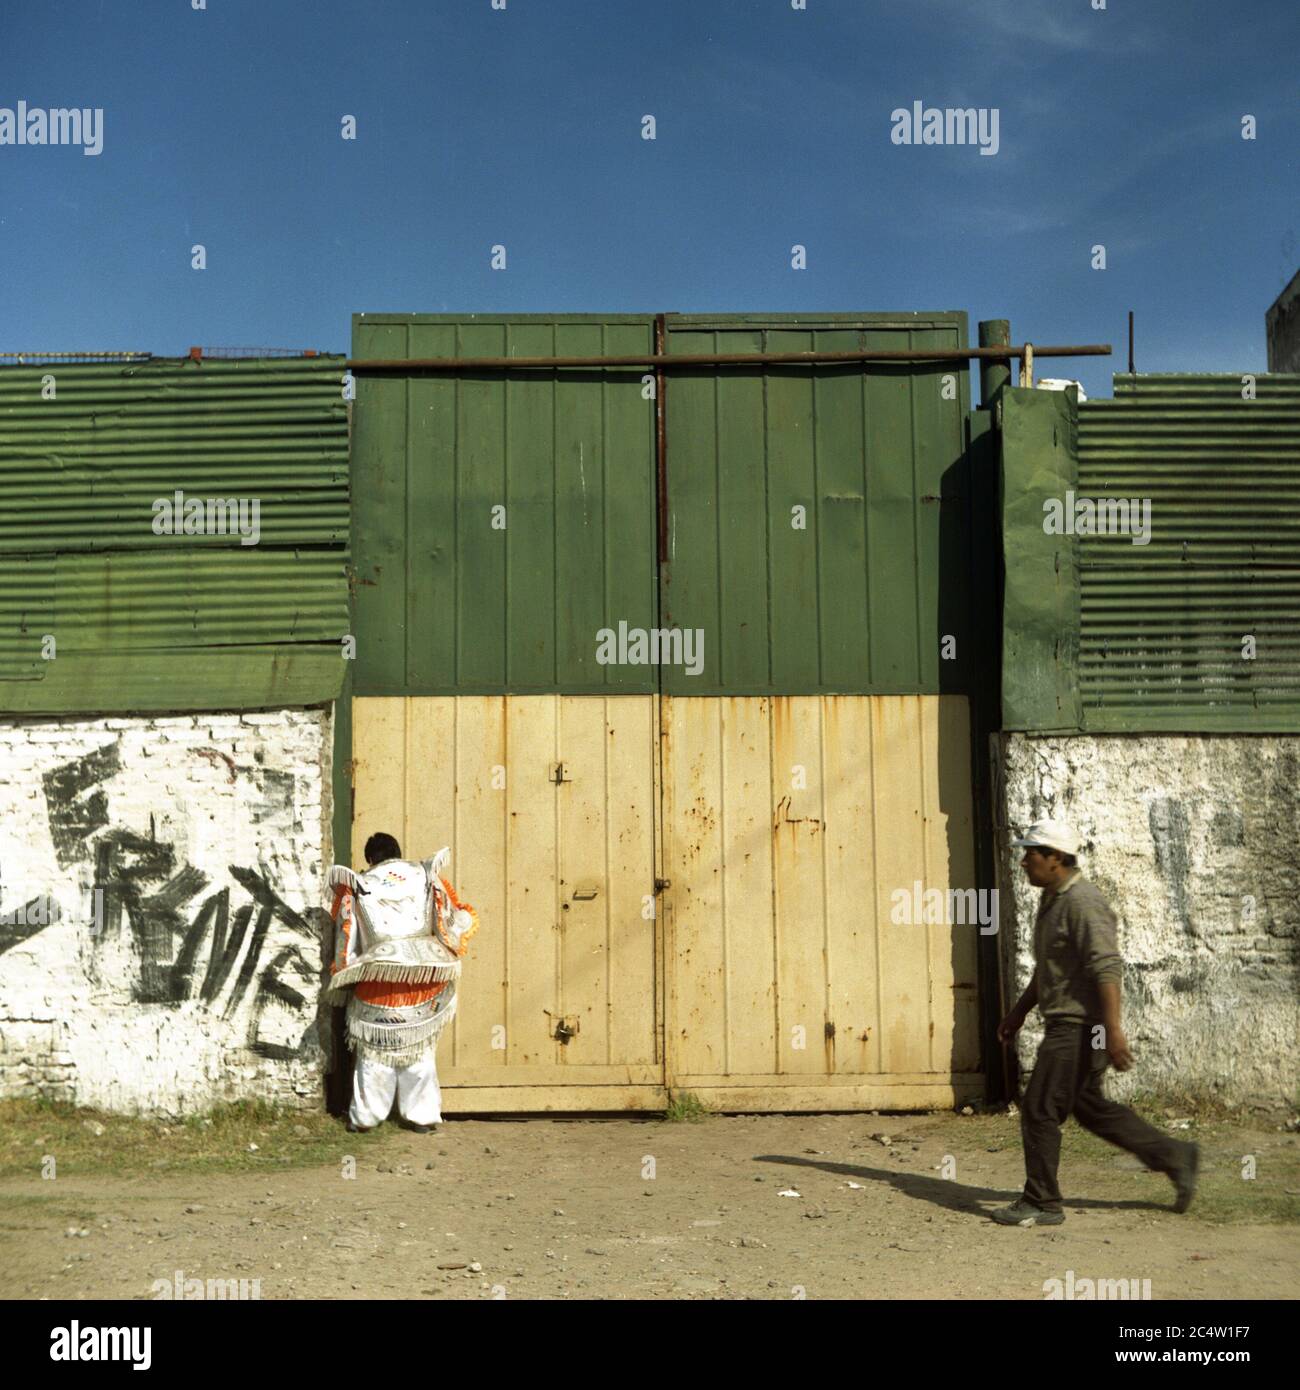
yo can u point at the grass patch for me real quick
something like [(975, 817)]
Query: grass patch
[(244, 1137), (1166, 1107), (1224, 1193), (1089, 1166), (685, 1107), (70, 1209)]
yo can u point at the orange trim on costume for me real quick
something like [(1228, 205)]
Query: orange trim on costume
[(340, 893), (464, 907), (393, 994)]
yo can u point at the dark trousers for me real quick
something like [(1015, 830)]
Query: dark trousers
[(1066, 1081)]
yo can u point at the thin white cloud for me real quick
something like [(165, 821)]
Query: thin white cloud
[(1022, 29), (1082, 31)]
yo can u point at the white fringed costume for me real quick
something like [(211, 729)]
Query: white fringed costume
[(400, 933)]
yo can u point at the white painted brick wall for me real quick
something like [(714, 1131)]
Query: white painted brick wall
[(1184, 832), (185, 816)]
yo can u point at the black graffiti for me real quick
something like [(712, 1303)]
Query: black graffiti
[(18, 923), (139, 878), (126, 865), (73, 815), (272, 985), (239, 938), (212, 954)]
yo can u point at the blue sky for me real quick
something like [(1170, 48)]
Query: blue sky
[(522, 127)]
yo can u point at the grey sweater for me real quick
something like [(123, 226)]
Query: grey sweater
[(1075, 949)]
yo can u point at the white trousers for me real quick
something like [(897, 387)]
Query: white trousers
[(374, 1085)]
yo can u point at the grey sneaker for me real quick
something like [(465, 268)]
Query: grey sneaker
[(1022, 1213), (1184, 1179)]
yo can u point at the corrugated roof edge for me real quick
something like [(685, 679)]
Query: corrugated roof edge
[(909, 318)]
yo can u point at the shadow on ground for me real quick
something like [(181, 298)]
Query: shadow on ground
[(943, 1192)]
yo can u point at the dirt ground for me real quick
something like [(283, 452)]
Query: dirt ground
[(643, 1209)]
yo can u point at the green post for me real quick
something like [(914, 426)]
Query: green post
[(994, 375)]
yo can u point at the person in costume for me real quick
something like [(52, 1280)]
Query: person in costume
[(400, 933)]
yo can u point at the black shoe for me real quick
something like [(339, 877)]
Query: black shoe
[(1184, 1179), (1022, 1213), (359, 1129), (423, 1129)]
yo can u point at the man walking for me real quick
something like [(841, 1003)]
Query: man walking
[(1076, 986), (400, 934)]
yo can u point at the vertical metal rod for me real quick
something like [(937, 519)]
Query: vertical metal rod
[(661, 440), (986, 713), (1130, 342), (1027, 366), (994, 375)]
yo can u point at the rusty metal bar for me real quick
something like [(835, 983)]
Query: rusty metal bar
[(400, 366), (74, 357), (661, 441)]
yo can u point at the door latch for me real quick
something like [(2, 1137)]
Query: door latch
[(560, 774), (566, 1028), (662, 883)]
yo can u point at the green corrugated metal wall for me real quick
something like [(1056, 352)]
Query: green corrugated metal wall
[(1160, 627), (857, 601), (143, 621)]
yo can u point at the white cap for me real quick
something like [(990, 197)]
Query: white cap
[(1050, 834)]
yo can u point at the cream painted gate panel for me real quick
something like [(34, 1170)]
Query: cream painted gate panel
[(548, 803), (795, 828)]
